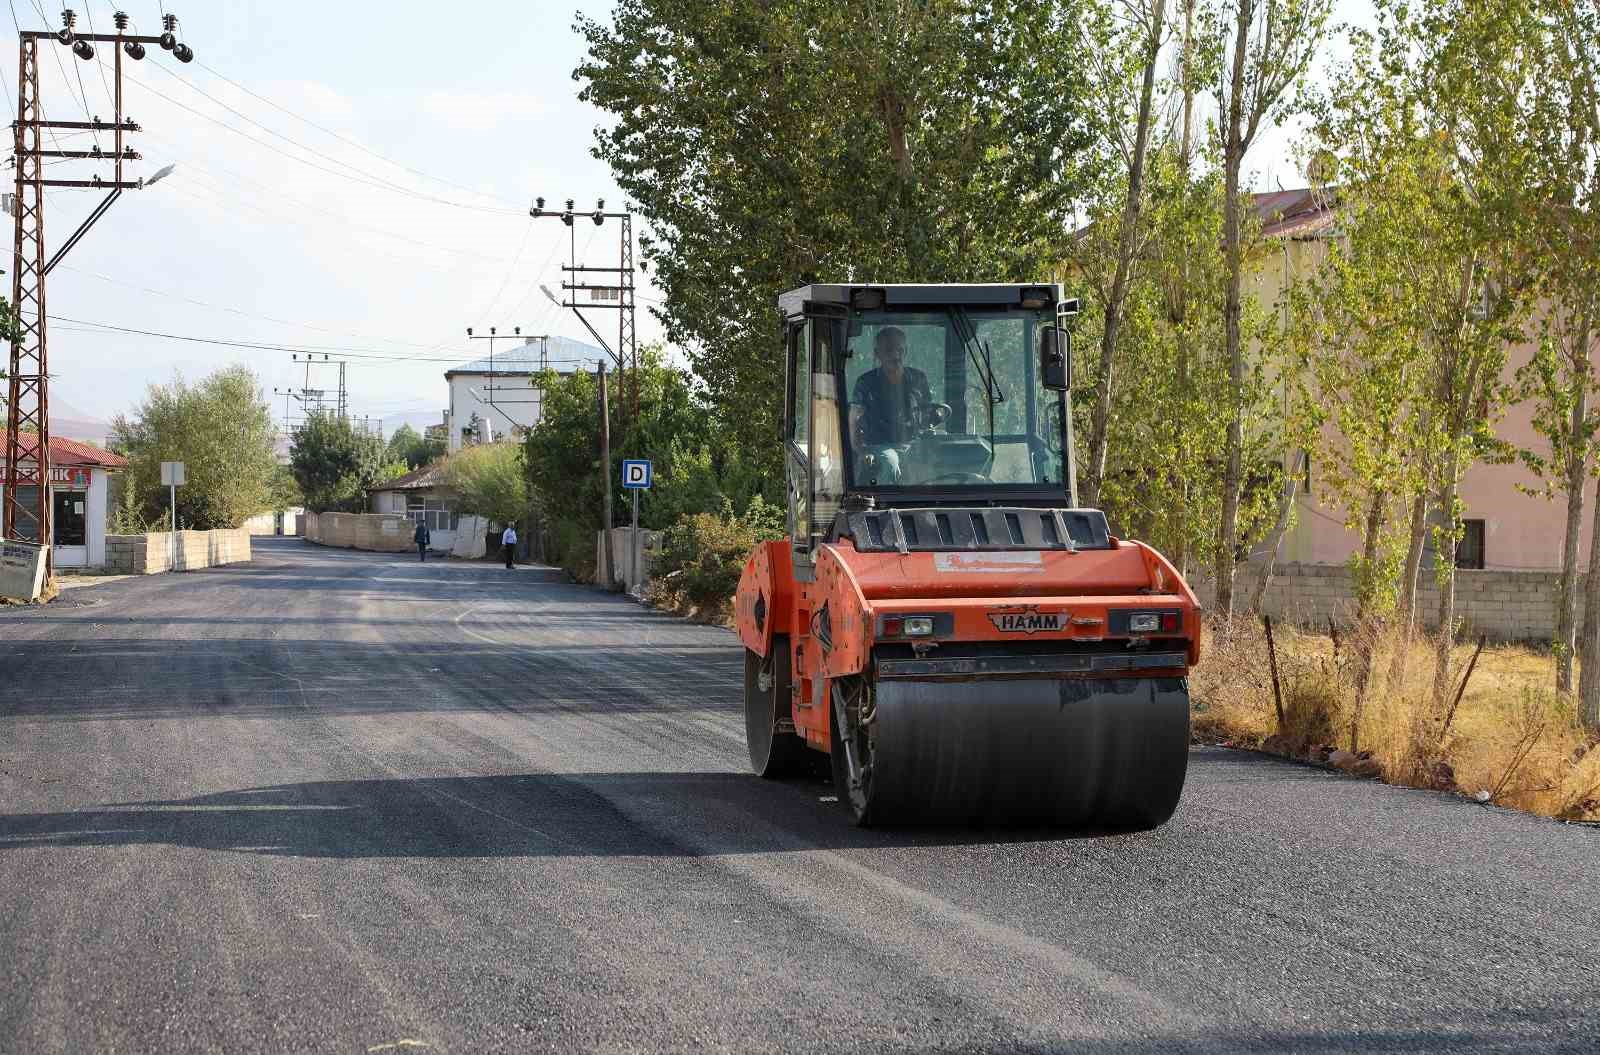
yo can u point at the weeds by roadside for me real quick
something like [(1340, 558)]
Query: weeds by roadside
[(1362, 699)]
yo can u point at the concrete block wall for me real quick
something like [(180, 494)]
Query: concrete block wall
[(152, 553), (379, 532), (648, 545), (1506, 605)]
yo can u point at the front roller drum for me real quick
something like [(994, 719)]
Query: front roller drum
[(775, 751), (1076, 753)]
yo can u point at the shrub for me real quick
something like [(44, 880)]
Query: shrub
[(703, 554)]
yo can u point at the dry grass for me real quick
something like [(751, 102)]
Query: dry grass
[(1512, 738)]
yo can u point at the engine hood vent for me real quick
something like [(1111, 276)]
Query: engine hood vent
[(946, 528)]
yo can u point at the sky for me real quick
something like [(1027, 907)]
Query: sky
[(351, 177)]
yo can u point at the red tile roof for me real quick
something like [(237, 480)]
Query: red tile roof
[(1293, 212), (71, 452)]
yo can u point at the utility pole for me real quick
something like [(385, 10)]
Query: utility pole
[(606, 576), (491, 387), (27, 451), (618, 297), (317, 398)]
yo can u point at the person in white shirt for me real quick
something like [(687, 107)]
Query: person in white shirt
[(508, 539)]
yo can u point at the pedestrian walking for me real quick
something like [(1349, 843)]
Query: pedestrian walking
[(421, 537), (508, 539)]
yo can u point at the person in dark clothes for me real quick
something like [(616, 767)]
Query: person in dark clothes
[(421, 537), (889, 403)]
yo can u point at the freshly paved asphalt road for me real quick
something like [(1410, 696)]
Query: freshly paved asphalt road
[(342, 802)]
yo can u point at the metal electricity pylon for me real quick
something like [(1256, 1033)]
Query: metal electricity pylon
[(618, 297), (27, 461)]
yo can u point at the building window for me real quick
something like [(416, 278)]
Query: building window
[(1469, 550), (435, 512)]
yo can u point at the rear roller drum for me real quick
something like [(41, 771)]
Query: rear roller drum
[(1077, 753), (775, 751)]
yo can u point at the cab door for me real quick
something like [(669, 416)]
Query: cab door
[(797, 444)]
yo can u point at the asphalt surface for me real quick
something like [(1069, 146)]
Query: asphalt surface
[(344, 802)]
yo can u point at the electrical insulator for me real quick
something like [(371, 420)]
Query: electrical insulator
[(121, 20), (183, 53), (84, 50), (169, 23), (69, 17), (134, 49), (599, 217), (169, 40)]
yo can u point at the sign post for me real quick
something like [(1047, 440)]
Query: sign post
[(636, 476), (172, 475)]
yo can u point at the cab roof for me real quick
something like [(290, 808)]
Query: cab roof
[(917, 294)]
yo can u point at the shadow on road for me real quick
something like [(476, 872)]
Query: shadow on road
[(533, 815)]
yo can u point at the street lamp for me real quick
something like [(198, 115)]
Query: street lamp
[(160, 174)]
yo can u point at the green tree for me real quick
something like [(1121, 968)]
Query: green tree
[(698, 464), (411, 448), (771, 143), (221, 429), (1272, 42), (334, 464), (490, 481), (1129, 51)]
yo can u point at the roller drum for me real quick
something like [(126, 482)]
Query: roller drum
[(1070, 752)]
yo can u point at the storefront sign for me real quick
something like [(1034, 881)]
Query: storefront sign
[(71, 477)]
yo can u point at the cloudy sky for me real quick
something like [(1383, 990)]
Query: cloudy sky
[(273, 231), (351, 177)]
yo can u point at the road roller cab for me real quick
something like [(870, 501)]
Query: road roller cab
[(943, 621)]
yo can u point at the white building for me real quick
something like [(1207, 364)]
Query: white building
[(422, 498), (495, 398), (79, 495)]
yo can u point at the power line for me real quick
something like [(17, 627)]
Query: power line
[(242, 313), (355, 174), (353, 353), (83, 96), (347, 140)]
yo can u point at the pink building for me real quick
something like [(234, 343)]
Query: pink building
[(1510, 553)]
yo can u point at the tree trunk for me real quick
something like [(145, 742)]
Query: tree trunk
[(1127, 243), (1233, 160), (1589, 660), (1285, 508), (1371, 534), (1576, 477), (1445, 566), (1413, 568)]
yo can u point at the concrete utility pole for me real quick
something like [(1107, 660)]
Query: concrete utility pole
[(28, 439), (619, 297), (605, 472)]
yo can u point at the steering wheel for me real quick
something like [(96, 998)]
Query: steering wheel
[(960, 478)]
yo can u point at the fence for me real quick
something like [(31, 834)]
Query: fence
[(1506, 605)]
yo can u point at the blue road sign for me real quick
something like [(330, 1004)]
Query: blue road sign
[(636, 473)]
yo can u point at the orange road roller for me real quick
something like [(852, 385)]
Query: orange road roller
[(964, 643)]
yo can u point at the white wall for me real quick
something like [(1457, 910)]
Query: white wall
[(516, 402), (95, 518)]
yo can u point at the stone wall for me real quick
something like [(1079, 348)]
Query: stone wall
[(152, 553), (379, 532), (1506, 605)]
